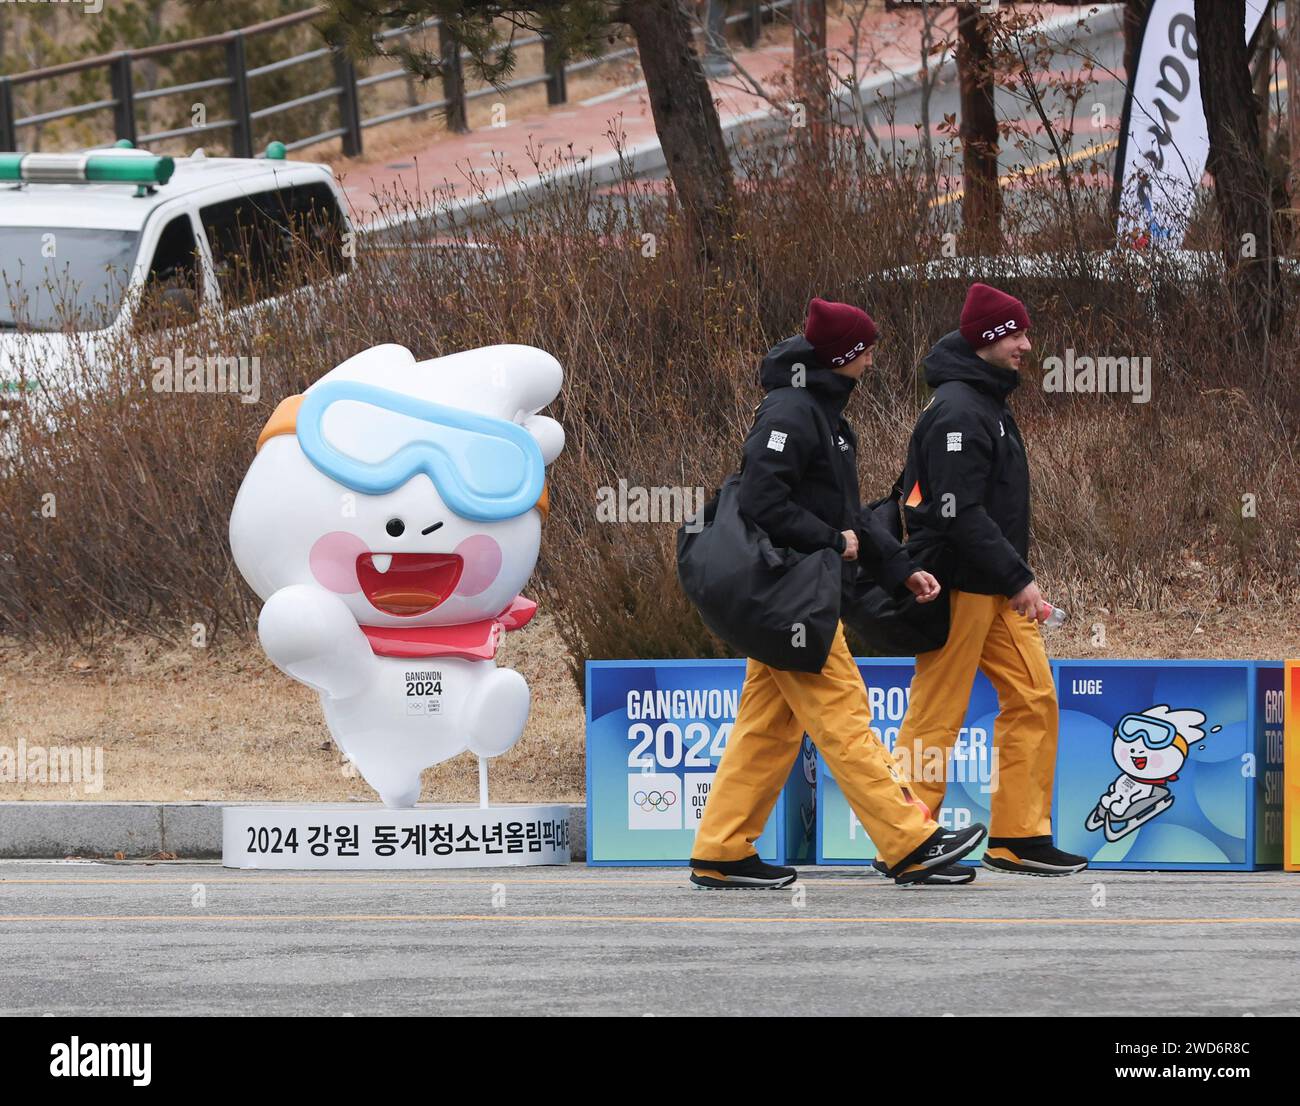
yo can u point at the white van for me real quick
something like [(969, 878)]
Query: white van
[(86, 239)]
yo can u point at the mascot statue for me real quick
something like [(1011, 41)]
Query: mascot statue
[(389, 521)]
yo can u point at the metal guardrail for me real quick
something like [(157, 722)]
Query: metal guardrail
[(344, 89)]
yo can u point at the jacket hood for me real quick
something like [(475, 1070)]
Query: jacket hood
[(778, 368), (953, 358)]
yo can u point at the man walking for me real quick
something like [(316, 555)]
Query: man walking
[(799, 484), (967, 511)]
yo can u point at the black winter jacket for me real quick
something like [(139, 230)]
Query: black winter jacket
[(799, 479), (966, 484)]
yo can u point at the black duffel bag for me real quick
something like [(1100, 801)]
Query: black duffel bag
[(779, 606), (893, 623)]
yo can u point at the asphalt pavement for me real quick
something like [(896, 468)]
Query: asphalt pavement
[(187, 938)]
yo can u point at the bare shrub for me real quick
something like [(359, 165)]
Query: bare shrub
[(1133, 502)]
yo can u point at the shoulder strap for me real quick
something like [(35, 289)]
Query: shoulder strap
[(896, 497)]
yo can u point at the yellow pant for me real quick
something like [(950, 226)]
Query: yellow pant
[(1008, 648), (776, 709)]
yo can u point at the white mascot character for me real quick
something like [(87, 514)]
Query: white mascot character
[(1150, 750), (389, 521)]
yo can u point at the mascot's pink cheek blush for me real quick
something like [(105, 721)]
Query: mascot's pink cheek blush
[(482, 557), (333, 561)]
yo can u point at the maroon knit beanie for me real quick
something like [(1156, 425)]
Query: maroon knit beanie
[(989, 315), (838, 331)]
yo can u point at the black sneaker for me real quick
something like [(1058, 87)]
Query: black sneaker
[(1031, 856), (942, 848), (950, 874), (750, 874)]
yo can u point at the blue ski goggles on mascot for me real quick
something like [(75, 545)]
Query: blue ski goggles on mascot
[(373, 440), (1154, 733)]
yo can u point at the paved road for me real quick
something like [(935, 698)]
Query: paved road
[(1094, 56), (893, 112), (129, 938)]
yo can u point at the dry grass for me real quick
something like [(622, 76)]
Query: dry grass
[(1137, 506), (223, 724)]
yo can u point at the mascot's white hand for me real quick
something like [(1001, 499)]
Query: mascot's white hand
[(310, 634)]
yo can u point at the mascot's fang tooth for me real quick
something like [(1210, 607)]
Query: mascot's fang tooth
[(381, 561)]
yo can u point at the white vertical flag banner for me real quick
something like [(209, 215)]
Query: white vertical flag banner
[(1164, 139)]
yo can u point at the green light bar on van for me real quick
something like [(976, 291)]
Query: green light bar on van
[(145, 169)]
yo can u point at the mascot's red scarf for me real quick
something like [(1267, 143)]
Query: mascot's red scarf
[(470, 641)]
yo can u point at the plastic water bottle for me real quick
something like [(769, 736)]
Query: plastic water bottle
[(1056, 616)]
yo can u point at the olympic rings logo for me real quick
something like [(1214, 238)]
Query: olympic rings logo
[(654, 800)]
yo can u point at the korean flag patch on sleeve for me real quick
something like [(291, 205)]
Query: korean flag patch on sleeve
[(776, 440), (954, 442)]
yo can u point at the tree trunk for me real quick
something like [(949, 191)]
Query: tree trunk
[(981, 205), (686, 120), (1291, 50), (1236, 161), (811, 76)]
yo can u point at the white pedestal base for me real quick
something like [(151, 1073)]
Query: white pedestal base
[(354, 836)]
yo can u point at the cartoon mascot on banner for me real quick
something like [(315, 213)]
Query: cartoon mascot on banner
[(389, 521), (1150, 750)]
